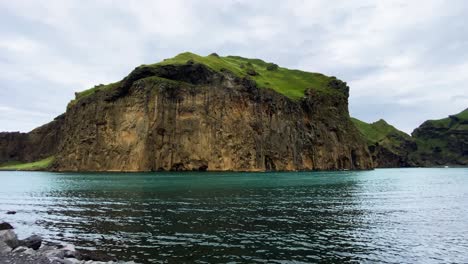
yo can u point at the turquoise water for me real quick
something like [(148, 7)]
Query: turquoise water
[(385, 215)]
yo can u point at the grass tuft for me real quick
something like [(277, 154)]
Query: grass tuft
[(36, 165)]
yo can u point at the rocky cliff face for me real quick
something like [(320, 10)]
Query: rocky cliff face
[(393, 155), (40, 143), (442, 142), (190, 117), (389, 147), (434, 143)]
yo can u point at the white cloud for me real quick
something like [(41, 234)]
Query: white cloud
[(404, 60)]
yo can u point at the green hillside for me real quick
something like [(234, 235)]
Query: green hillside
[(36, 165), (452, 122), (380, 131), (444, 140), (291, 83)]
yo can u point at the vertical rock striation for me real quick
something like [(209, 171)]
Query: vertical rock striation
[(40, 143), (188, 117)]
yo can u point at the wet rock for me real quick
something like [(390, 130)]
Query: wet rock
[(66, 261), (20, 249), (95, 256), (4, 248), (54, 253), (32, 251), (9, 237), (18, 258), (33, 242), (5, 226)]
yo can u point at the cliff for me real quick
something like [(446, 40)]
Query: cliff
[(389, 147), (38, 144), (434, 143), (443, 141), (209, 113)]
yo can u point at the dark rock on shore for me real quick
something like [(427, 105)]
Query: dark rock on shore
[(95, 255), (33, 242), (23, 258), (9, 237), (32, 251), (5, 226)]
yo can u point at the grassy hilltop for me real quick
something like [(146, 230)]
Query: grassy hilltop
[(291, 83), (444, 140), (380, 132), (435, 142)]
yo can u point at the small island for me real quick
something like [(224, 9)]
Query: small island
[(213, 113)]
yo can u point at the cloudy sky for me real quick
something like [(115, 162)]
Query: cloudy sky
[(405, 61)]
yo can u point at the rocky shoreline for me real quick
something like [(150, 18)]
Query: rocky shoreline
[(34, 250)]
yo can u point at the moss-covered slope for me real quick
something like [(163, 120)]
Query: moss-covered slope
[(292, 83), (443, 141), (43, 164), (434, 143), (389, 146)]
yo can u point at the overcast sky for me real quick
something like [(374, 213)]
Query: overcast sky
[(405, 61)]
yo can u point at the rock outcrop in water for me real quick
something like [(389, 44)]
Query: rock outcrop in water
[(195, 116)]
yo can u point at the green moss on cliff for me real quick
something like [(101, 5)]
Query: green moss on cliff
[(451, 122), (435, 142), (443, 141), (36, 165), (379, 131), (91, 91), (291, 83)]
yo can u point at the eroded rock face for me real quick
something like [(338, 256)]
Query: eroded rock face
[(196, 119), (393, 156), (40, 143), (442, 142)]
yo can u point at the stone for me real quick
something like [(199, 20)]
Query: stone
[(11, 212), (20, 249), (65, 261), (5, 226), (29, 251), (33, 242), (9, 237), (54, 253), (4, 248), (95, 256)]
